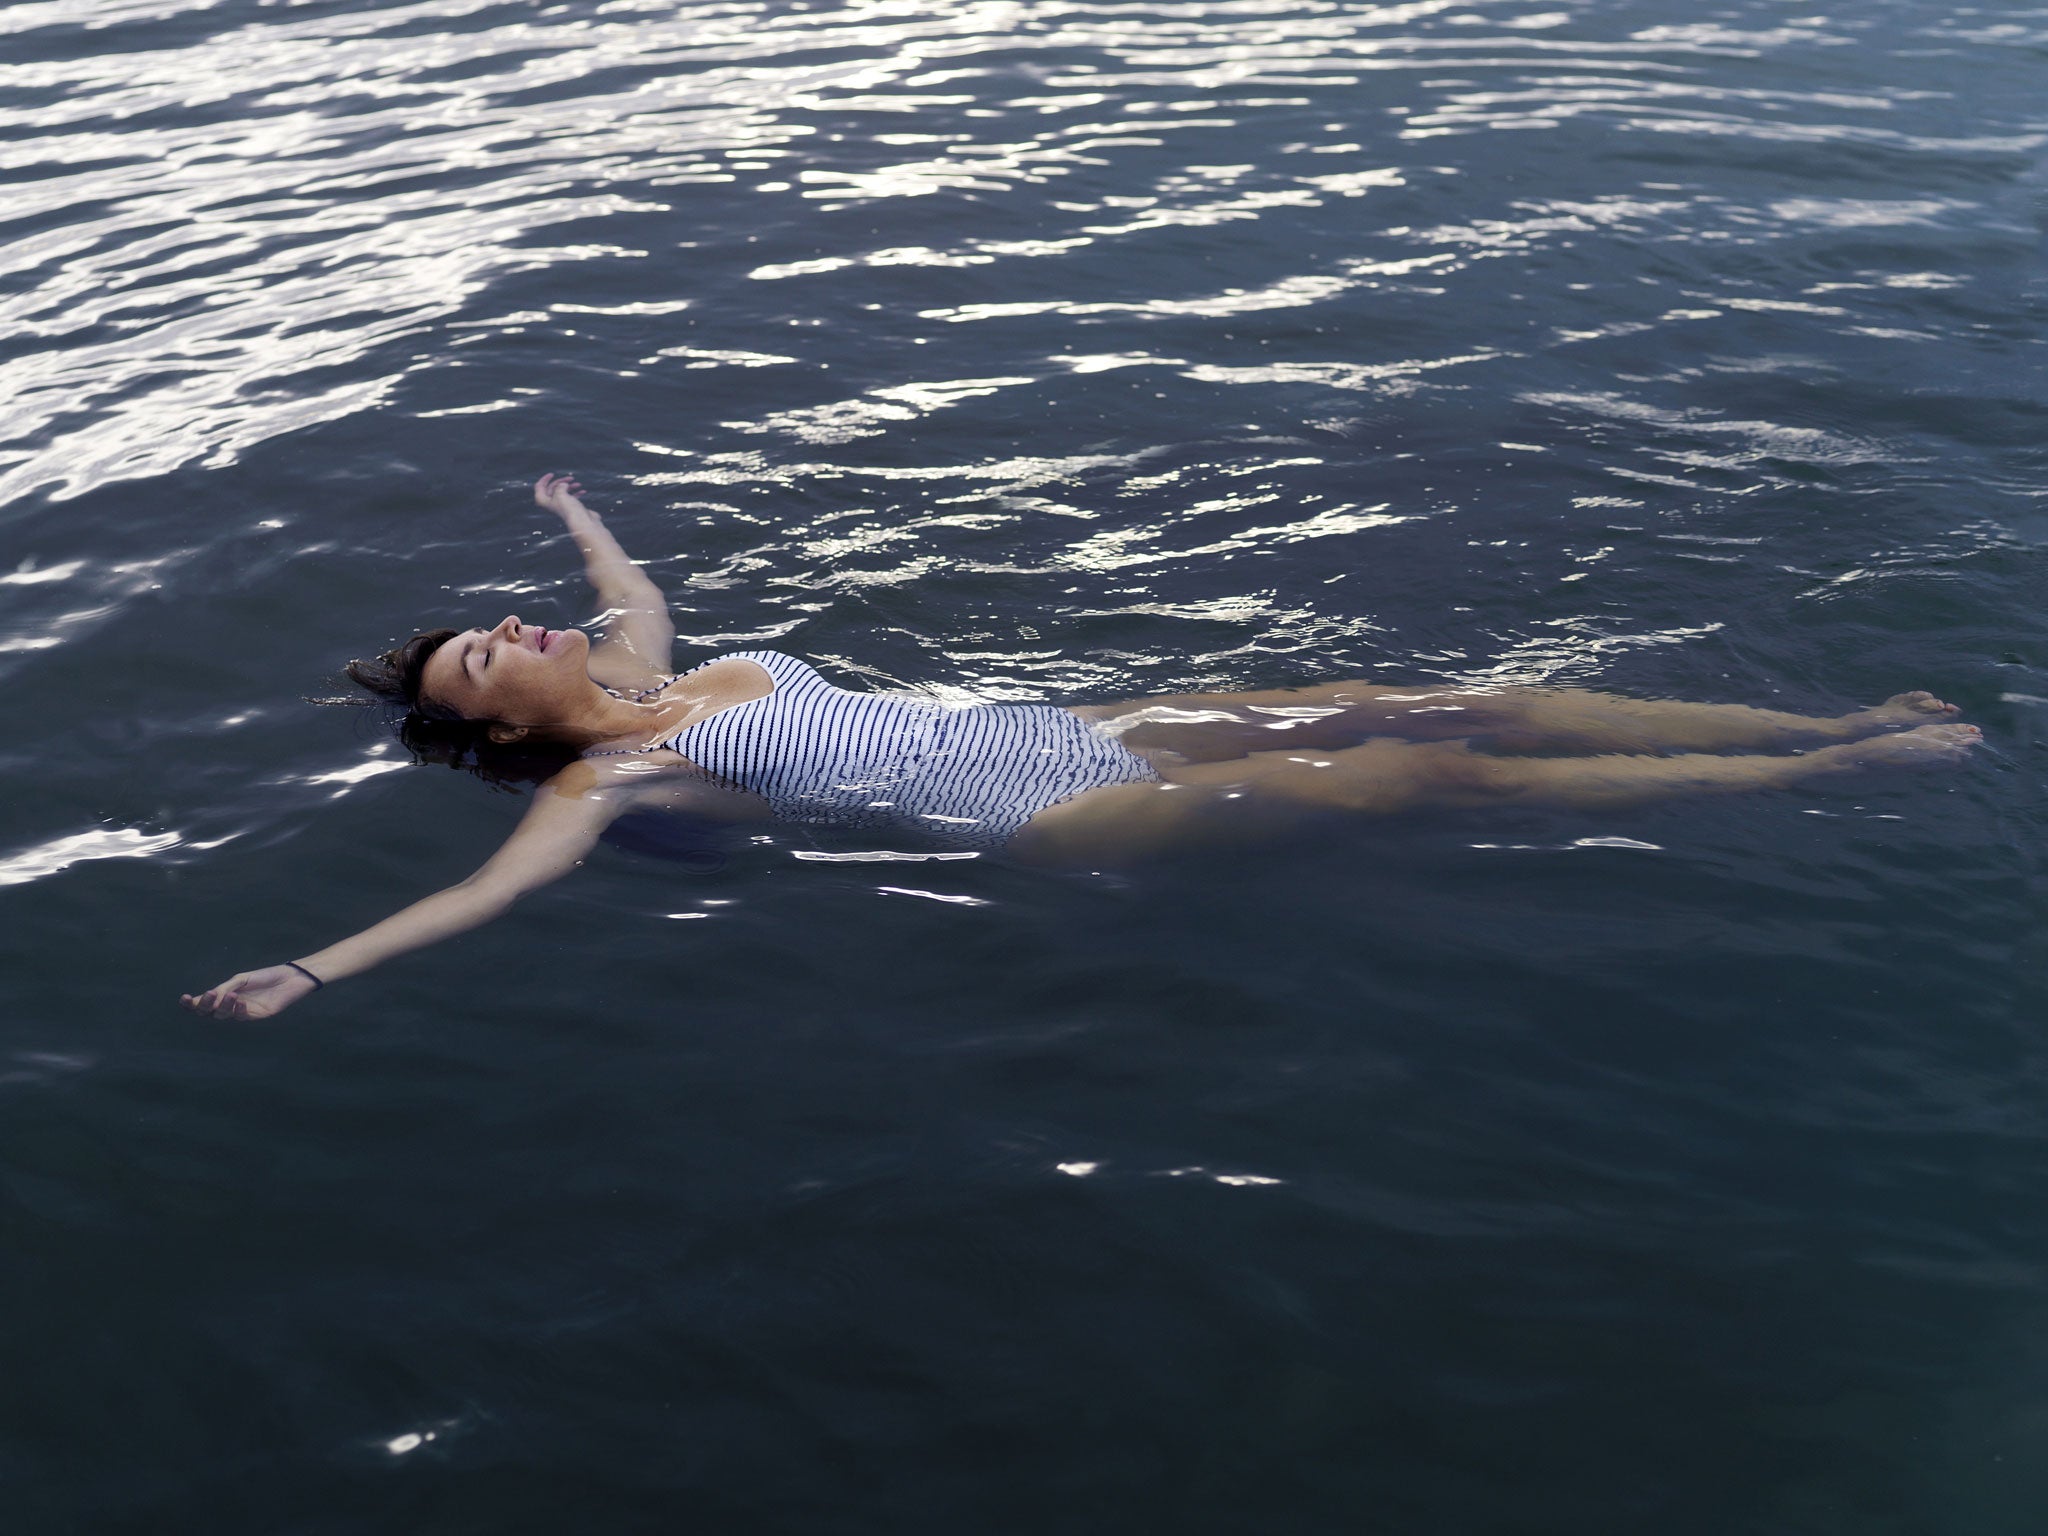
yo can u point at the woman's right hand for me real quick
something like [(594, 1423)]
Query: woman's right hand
[(252, 994)]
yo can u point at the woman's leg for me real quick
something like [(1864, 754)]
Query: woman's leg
[(1267, 792), (1214, 727)]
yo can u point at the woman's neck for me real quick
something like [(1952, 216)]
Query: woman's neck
[(605, 717)]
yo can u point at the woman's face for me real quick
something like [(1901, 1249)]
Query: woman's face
[(520, 674)]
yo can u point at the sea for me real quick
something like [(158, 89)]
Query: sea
[(1676, 1169)]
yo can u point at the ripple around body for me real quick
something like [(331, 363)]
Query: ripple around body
[(1669, 1168)]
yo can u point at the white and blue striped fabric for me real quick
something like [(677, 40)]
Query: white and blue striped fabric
[(822, 754)]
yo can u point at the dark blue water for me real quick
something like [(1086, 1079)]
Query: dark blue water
[(1505, 1174)]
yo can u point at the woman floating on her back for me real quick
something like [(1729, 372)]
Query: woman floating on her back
[(757, 735)]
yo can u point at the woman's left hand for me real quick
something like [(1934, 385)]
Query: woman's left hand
[(560, 495)]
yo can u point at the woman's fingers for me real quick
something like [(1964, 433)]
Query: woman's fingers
[(557, 493), (222, 1002), (249, 995)]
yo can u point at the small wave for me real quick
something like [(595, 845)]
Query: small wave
[(59, 854)]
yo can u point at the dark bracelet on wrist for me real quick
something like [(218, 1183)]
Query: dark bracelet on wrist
[(317, 982)]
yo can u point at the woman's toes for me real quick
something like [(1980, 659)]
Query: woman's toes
[(1924, 746), (1919, 702)]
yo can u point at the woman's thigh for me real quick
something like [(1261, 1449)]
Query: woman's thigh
[(1255, 796), (1214, 727)]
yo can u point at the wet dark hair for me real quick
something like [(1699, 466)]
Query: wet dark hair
[(434, 733), (395, 676)]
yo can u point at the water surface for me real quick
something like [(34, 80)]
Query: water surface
[(1670, 1169)]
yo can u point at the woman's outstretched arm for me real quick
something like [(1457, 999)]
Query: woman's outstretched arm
[(638, 633), (566, 817)]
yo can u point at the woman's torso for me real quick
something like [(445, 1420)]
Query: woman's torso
[(823, 754)]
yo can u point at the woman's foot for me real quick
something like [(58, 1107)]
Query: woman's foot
[(1900, 712), (1925, 746), (1905, 711)]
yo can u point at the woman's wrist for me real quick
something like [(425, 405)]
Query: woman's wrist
[(326, 966), (307, 971)]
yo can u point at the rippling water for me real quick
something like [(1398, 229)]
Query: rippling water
[(1675, 1169)]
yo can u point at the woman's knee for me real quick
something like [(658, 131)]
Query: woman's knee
[(1379, 777), (1451, 773)]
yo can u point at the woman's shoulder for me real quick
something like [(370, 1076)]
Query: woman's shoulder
[(763, 657), (624, 784), (779, 665)]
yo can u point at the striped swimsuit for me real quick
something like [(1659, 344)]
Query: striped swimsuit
[(828, 755)]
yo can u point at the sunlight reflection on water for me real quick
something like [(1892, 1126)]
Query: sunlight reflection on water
[(1020, 350)]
